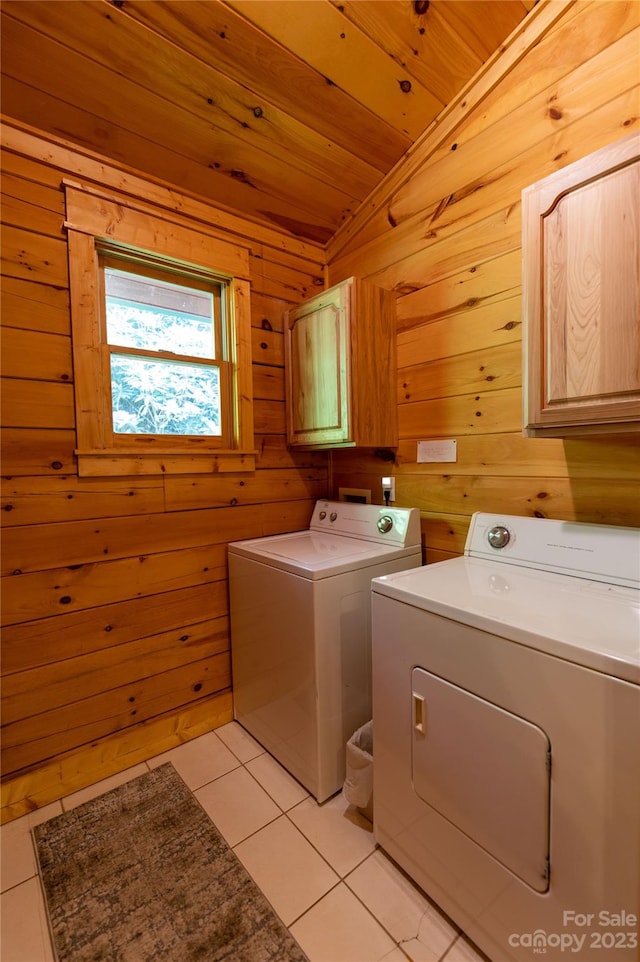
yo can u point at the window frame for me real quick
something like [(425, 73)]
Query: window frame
[(124, 226)]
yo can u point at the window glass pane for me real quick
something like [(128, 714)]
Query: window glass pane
[(154, 315), (164, 397)]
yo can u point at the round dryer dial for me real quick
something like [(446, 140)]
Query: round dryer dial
[(498, 536), (385, 524)]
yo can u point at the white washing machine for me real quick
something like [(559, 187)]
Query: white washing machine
[(506, 708), (301, 632)]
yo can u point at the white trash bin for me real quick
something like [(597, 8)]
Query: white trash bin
[(358, 783)]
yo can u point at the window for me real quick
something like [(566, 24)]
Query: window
[(166, 339), (161, 342)]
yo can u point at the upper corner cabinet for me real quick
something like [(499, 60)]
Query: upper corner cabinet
[(581, 274), (340, 356)]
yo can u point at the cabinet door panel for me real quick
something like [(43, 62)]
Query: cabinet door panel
[(581, 247), (319, 372), (318, 369), (591, 252)]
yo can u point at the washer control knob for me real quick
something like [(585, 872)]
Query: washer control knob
[(385, 524), (322, 515), (333, 516), (498, 536)]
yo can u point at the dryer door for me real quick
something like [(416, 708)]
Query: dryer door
[(486, 771)]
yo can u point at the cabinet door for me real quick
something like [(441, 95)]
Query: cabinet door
[(582, 294), (318, 362)]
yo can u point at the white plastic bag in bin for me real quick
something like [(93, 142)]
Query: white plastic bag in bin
[(358, 784)]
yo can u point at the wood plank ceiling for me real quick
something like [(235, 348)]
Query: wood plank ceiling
[(290, 111)]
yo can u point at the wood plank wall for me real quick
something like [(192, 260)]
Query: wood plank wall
[(444, 233), (116, 630)]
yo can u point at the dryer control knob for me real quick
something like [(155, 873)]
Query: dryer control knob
[(498, 536), (385, 524)]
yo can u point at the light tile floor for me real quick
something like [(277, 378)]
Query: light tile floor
[(319, 866)]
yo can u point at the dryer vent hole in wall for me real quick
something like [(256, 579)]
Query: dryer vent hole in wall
[(355, 495)]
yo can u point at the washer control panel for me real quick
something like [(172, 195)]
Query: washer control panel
[(373, 522)]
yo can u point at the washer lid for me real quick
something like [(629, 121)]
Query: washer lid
[(587, 622), (316, 554)]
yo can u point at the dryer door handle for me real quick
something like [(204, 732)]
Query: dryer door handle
[(419, 714)]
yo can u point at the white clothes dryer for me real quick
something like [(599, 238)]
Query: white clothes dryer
[(301, 632), (506, 708)]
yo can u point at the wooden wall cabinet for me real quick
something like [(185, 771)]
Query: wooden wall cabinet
[(581, 261), (340, 355)]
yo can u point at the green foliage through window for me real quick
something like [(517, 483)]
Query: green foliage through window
[(165, 378), (164, 397)]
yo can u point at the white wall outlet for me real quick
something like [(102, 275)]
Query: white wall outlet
[(388, 484)]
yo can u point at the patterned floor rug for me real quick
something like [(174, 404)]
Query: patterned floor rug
[(142, 874)]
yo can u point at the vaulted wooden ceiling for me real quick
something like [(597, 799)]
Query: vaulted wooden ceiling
[(287, 110)]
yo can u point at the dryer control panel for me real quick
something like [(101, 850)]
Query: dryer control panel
[(600, 552)]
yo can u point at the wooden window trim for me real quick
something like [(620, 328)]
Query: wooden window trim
[(92, 219)]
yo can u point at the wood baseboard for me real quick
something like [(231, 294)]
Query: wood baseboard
[(29, 790)]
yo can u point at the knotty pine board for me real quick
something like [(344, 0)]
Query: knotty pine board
[(267, 349), (45, 452), (62, 683), (492, 370), (569, 499), (268, 382), (36, 355), (64, 637), (349, 58), (206, 491), (18, 212), (497, 322), (507, 456), (440, 56), (36, 404), (34, 257), (487, 412), (40, 594), (65, 497), (34, 307)]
